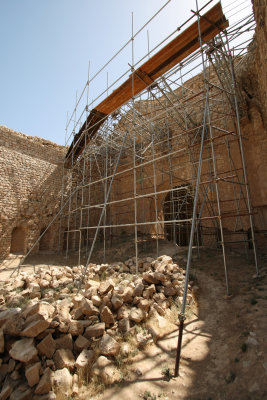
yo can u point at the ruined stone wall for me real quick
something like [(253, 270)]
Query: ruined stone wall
[(30, 181), (260, 14), (252, 79)]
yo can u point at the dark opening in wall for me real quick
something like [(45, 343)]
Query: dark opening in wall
[(71, 240), (44, 244), (18, 240), (178, 205)]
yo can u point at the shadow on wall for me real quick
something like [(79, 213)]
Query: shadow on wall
[(38, 208), (178, 205), (18, 236), (45, 241)]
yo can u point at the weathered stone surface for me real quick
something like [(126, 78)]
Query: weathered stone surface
[(96, 300), (158, 308), (150, 277), (76, 328), (44, 283), (107, 316), (15, 375), (47, 346), (7, 388), (124, 325), (81, 343), (7, 314), (149, 292), (164, 260), (48, 396), (3, 372), (34, 287), (106, 371), (75, 386), (6, 392), (32, 373), (159, 276), (76, 313), (35, 328), (45, 384), (88, 308), (106, 301), (23, 350), (141, 339), (2, 341), (21, 395), (105, 287), (63, 315), (43, 334), (159, 327), (95, 330), (91, 284), (138, 291), (11, 365), (62, 382), (13, 325), (64, 358), (123, 312), (144, 304), (116, 301), (170, 291), (64, 342), (136, 315), (77, 300), (42, 308), (18, 283), (85, 359), (109, 346), (127, 295)]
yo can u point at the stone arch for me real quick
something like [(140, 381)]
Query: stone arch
[(18, 237), (178, 205)]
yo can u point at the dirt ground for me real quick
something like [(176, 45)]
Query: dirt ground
[(224, 344)]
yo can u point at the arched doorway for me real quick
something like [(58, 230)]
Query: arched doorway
[(45, 240), (17, 240), (178, 205)]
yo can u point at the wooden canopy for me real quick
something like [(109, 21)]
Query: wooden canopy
[(174, 52)]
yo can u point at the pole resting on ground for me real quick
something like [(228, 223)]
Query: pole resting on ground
[(179, 345)]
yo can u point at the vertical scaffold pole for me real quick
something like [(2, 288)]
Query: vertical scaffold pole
[(243, 158), (194, 217), (134, 154)]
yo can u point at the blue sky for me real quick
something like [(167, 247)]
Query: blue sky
[(46, 46)]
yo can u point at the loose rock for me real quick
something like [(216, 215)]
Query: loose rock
[(109, 346), (32, 373), (23, 350)]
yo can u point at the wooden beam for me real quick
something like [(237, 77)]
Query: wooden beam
[(211, 23)]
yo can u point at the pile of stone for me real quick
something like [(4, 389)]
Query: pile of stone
[(51, 334)]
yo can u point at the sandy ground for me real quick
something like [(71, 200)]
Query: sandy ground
[(224, 344)]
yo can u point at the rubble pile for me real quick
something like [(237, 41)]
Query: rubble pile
[(52, 334)]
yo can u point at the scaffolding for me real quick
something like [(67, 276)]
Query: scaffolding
[(173, 150), (168, 163)]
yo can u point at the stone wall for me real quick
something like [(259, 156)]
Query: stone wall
[(30, 181), (252, 80), (260, 14)]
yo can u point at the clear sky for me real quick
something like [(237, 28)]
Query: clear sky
[(46, 46)]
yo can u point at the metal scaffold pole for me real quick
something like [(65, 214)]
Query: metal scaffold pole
[(189, 256)]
